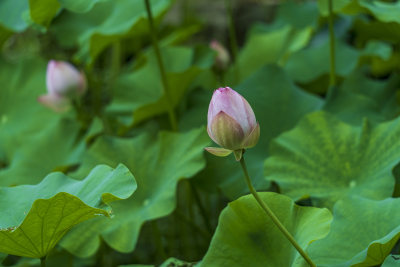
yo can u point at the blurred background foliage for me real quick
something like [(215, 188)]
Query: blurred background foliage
[(323, 144)]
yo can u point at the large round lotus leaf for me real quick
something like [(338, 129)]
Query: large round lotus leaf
[(35, 217), (278, 105), (246, 236), (363, 233), (158, 164), (327, 159)]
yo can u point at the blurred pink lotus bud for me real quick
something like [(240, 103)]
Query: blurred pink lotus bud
[(222, 60), (64, 79), (231, 123), (64, 83)]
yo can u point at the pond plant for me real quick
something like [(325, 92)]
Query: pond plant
[(199, 133)]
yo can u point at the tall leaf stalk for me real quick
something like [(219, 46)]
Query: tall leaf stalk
[(164, 79), (332, 81)]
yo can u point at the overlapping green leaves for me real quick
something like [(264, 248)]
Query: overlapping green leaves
[(278, 105), (105, 23), (35, 217), (359, 97), (369, 244), (158, 165), (140, 94), (381, 10), (273, 43)]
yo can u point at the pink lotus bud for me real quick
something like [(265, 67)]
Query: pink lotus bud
[(64, 83), (64, 79), (222, 60), (231, 123)]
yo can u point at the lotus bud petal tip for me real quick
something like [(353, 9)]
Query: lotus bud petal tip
[(231, 122), (64, 83)]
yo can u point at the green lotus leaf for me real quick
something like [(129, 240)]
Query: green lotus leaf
[(383, 11), (17, 16), (366, 30), (369, 244), (18, 98), (29, 158), (11, 15), (327, 159), (139, 92), (79, 6), (246, 236), (360, 97), (43, 11), (176, 263), (264, 48), (35, 217), (337, 6), (158, 163), (274, 43), (278, 104), (45, 141), (317, 59), (391, 261), (386, 12), (104, 24)]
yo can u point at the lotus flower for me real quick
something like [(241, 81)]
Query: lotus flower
[(231, 123), (64, 83), (222, 59)]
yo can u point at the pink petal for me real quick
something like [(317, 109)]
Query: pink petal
[(233, 104), (55, 102), (64, 79)]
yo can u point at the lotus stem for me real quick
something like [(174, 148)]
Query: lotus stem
[(272, 215)]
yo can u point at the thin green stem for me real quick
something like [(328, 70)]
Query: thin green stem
[(232, 30), (163, 73), (233, 40), (43, 261), (115, 61), (332, 81), (273, 217)]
